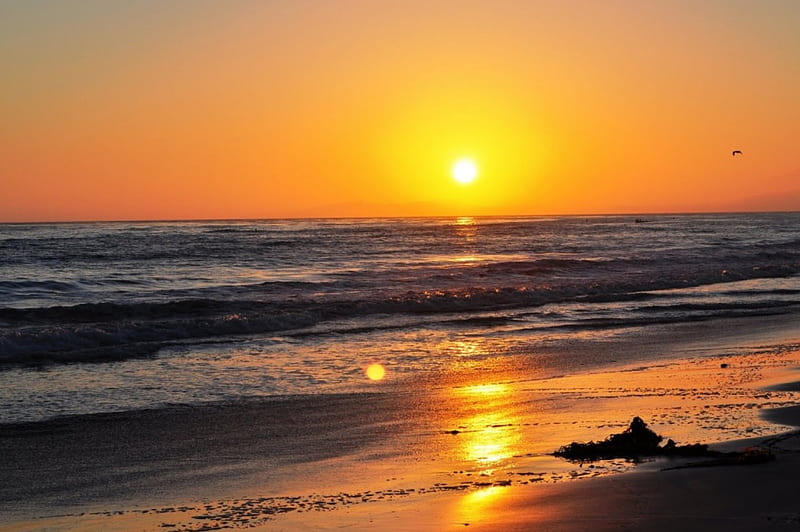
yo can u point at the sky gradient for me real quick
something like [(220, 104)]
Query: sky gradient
[(113, 110)]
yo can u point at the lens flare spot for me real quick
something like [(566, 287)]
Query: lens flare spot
[(375, 372)]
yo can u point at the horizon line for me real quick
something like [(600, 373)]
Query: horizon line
[(409, 217)]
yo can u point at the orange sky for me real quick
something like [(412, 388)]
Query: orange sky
[(251, 109)]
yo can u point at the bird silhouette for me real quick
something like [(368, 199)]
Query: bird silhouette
[(734, 153)]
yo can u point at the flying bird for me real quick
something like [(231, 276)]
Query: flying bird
[(734, 153)]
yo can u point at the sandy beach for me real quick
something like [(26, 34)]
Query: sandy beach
[(473, 451)]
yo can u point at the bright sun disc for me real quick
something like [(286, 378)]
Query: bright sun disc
[(465, 171)]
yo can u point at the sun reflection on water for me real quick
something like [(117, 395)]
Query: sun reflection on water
[(483, 389), (466, 229), (467, 348)]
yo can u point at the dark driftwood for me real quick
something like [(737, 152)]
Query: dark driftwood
[(638, 441)]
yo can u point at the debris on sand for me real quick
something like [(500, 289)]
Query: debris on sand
[(638, 441)]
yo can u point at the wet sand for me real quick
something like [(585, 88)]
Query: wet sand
[(472, 451), (741, 498)]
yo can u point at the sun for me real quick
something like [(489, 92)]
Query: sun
[(465, 171)]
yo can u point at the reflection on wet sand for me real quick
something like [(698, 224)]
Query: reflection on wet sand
[(478, 506), (491, 430), (488, 440)]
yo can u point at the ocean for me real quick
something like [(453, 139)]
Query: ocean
[(124, 316)]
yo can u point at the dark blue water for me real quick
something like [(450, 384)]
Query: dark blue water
[(102, 316)]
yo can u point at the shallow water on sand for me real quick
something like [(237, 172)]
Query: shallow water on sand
[(480, 432)]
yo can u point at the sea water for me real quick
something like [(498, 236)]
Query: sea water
[(100, 317)]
